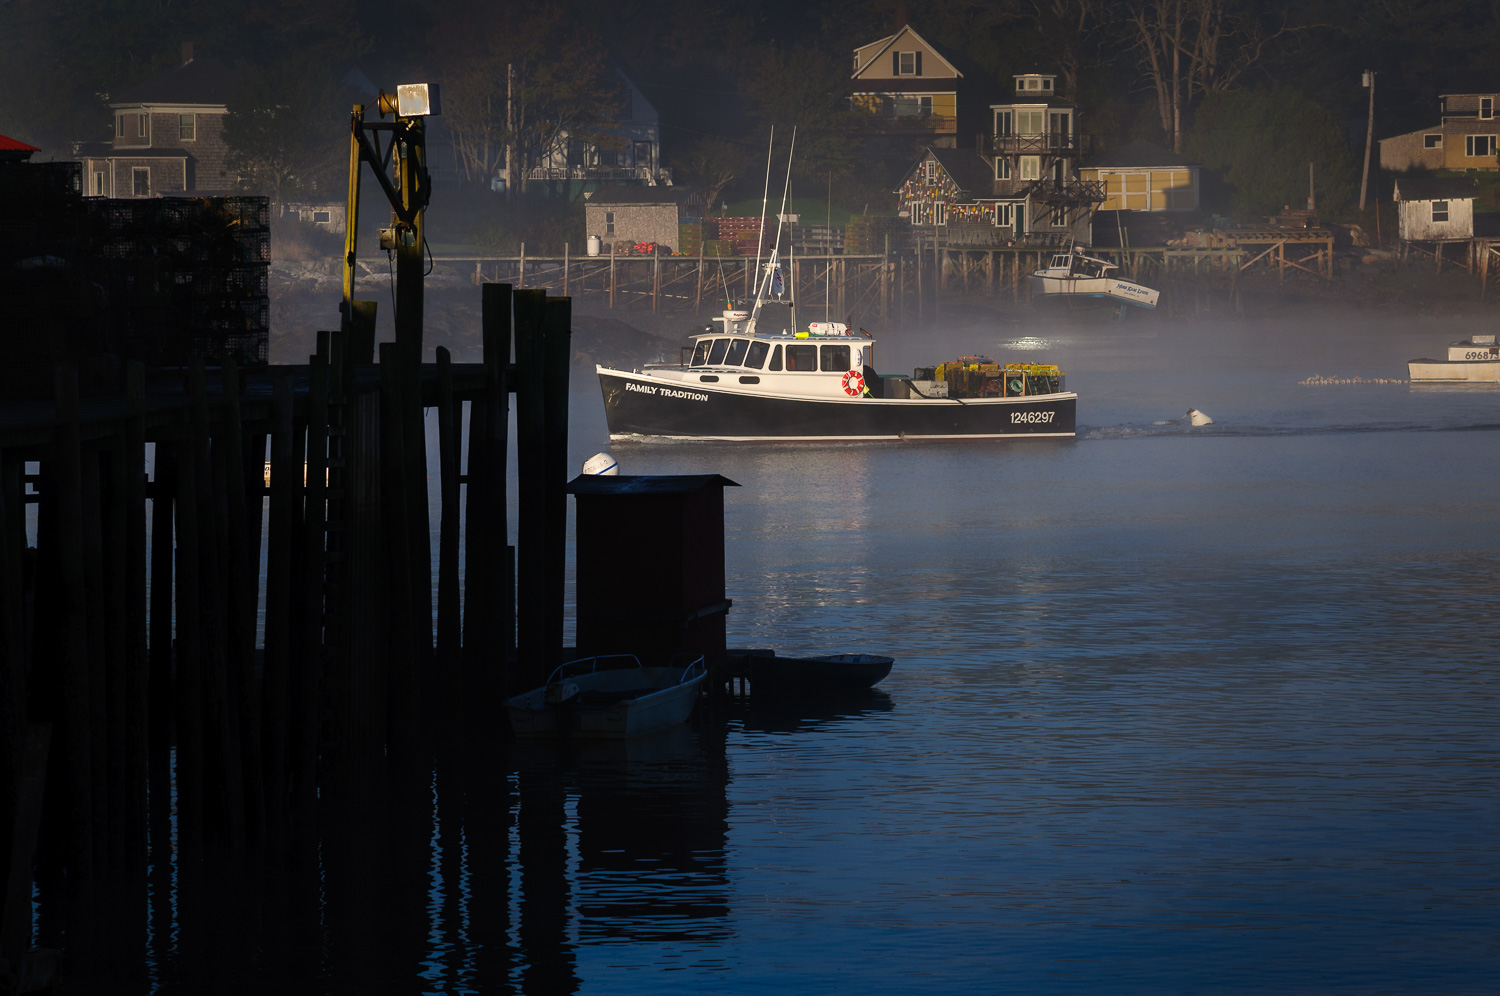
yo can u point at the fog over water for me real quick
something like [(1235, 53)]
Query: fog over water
[(1176, 708)]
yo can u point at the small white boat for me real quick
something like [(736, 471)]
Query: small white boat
[(609, 697), (829, 674), (1072, 274), (1475, 360)]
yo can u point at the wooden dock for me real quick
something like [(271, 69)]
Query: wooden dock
[(901, 284), (131, 669)]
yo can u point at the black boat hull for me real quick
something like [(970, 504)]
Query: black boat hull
[(641, 405)]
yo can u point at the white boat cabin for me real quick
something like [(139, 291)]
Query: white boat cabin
[(825, 360), (1075, 264)]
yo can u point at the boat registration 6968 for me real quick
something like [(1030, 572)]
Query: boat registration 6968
[(1016, 418)]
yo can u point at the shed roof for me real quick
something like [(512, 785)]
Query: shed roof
[(8, 144), (652, 484), (966, 167), (197, 81), (623, 194), (1138, 155), (1435, 188)]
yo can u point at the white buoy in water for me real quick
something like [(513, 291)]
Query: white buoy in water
[(601, 464), (1198, 418)]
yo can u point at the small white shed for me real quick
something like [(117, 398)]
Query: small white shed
[(1435, 209)]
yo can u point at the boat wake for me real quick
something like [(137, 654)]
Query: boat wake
[(1182, 428)]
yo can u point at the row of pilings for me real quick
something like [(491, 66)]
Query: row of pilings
[(148, 718)]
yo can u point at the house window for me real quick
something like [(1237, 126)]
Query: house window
[(140, 125), (930, 171), (119, 126), (940, 213), (1031, 167), (912, 106), (1479, 146), (187, 127), (609, 223), (1003, 216), (1002, 124), (1439, 210), (1029, 123), (322, 217), (1486, 108), (907, 63), (140, 181), (97, 188), (1002, 168), (1432, 141)]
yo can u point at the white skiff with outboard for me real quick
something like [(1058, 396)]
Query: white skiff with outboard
[(1072, 274)]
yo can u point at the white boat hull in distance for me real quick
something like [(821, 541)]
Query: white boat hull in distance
[(640, 403), (1450, 372), (1475, 360), (1097, 287)]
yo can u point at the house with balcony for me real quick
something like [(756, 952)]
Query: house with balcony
[(1467, 136), (168, 136), (905, 93), (1020, 186), (628, 151)]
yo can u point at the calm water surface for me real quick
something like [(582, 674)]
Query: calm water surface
[(1176, 710)]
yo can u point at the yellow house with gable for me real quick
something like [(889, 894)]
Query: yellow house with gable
[(907, 89)]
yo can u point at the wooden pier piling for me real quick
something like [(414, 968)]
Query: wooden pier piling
[(136, 697)]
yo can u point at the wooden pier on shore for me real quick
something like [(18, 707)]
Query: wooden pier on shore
[(899, 284)]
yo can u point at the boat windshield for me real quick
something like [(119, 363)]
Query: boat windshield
[(716, 352), (700, 353), (756, 357), (736, 354)]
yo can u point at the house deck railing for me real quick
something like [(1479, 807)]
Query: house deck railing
[(644, 174), (1054, 144)]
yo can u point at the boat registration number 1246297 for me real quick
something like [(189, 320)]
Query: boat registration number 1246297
[(1019, 417)]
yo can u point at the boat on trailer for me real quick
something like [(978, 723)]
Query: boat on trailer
[(1475, 360), (1072, 274)]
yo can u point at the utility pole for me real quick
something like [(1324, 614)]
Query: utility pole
[(510, 133), (1364, 182)]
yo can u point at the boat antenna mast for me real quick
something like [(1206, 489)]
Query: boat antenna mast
[(765, 198), (772, 264)]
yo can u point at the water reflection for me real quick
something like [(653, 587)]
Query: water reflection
[(490, 870)]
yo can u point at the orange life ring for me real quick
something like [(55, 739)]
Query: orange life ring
[(854, 383)]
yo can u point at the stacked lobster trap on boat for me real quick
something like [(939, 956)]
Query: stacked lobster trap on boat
[(982, 377)]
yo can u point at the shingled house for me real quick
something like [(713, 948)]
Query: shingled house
[(168, 136), (1465, 137)]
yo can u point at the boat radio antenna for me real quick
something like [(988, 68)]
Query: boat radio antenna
[(765, 199)]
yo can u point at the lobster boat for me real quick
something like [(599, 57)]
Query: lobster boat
[(743, 384), (741, 381)]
